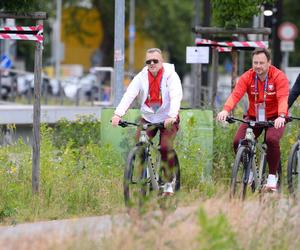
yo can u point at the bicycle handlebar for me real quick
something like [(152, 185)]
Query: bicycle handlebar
[(267, 124), (125, 124), (292, 118)]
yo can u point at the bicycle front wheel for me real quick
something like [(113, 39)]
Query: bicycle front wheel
[(135, 181), (292, 169), (240, 173)]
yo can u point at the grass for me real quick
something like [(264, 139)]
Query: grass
[(81, 177), (215, 223)]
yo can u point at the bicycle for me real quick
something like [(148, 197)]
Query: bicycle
[(245, 161), (293, 167), (142, 173)]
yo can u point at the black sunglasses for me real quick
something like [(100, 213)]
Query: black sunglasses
[(155, 61)]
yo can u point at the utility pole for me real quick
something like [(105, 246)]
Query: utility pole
[(204, 71), (56, 47), (57, 38), (119, 50), (196, 68), (131, 37)]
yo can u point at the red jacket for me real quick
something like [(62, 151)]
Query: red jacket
[(276, 98)]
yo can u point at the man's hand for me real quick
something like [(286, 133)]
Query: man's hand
[(222, 116), (169, 122), (115, 120), (279, 122)]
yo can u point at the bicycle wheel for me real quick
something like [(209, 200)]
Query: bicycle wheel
[(292, 169), (135, 181), (240, 173)]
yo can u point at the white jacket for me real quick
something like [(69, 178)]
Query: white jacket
[(171, 91)]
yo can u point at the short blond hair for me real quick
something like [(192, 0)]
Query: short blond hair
[(152, 50)]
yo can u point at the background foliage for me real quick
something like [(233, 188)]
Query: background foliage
[(230, 14)]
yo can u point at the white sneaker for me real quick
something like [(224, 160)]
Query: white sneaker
[(272, 182), (251, 178), (168, 189)]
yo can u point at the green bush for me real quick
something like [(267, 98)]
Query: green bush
[(84, 130)]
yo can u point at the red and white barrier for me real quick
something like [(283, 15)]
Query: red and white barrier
[(18, 33), (22, 28), (223, 49), (240, 44)]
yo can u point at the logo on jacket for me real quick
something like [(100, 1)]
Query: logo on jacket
[(271, 87)]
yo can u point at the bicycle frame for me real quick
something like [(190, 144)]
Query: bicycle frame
[(147, 144), (253, 145), (144, 141)]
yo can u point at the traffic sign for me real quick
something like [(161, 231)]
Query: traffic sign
[(287, 31), (5, 62), (287, 45)]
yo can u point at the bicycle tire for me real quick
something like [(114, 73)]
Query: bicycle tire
[(240, 173), (135, 178), (292, 171)]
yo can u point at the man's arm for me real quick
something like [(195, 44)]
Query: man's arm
[(282, 92), (294, 92), (175, 92), (236, 95), (130, 94)]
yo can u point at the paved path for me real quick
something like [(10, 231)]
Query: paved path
[(41, 235)]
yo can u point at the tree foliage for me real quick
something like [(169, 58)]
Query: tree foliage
[(20, 6), (232, 13), (169, 24)]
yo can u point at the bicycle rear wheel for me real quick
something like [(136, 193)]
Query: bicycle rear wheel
[(240, 173), (292, 169), (135, 181)]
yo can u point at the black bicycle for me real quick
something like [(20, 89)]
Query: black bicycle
[(246, 172), (143, 172), (293, 167)]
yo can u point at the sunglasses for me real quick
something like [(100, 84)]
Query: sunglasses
[(155, 61)]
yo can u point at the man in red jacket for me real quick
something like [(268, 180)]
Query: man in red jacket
[(268, 89)]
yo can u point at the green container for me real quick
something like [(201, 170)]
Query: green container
[(196, 131)]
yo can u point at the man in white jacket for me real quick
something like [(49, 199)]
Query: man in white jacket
[(160, 91)]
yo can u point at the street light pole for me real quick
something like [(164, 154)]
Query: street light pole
[(119, 50), (57, 39), (131, 36)]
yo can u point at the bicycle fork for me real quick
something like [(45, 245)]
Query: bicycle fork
[(152, 171), (262, 165)]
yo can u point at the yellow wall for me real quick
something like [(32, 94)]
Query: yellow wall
[(76, 51)]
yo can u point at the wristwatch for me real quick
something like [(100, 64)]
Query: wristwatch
[(282, 115)]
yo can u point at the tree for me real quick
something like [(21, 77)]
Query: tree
[(169, 24), (20, 6), (232, 14)]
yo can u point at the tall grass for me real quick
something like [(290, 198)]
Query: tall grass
[(77, 178)]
